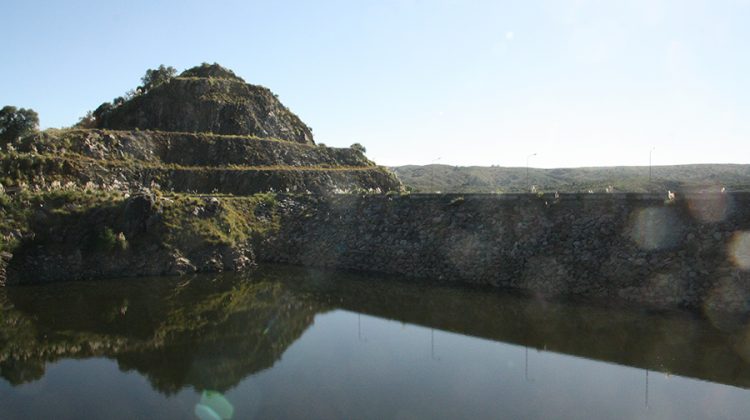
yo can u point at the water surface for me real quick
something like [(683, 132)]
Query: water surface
[(285, 342)]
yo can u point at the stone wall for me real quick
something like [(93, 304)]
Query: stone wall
[(692, 252)]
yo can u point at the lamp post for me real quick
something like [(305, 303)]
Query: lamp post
[(527, 169), (434, 163), (650, 152), (526, 365), (359, 328), (432, 345)]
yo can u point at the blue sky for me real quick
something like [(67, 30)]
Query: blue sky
[(580, 83)]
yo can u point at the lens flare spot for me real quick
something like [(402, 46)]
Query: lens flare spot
[(655, 228), (711, 208), (464, 251), (729, 298), (739, 250), (743, 346), (545, 276)]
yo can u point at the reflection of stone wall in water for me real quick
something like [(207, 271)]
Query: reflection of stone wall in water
[(692, 252), (675, 342), (205, 333)]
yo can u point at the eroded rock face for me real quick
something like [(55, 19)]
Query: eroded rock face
[(208, 99)]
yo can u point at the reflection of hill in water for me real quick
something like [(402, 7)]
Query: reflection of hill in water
[(716, 350), (204, 332), (211, 332)]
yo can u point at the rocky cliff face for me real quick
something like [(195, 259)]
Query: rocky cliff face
[(208, 99)]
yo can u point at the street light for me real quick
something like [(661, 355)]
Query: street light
[(526, 367), (527, 169), (434, 163), (359, 328), (432, 345), (649, 163)]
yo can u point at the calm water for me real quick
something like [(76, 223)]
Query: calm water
[(288, 342)]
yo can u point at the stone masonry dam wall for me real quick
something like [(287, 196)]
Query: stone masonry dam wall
[(692, 252)]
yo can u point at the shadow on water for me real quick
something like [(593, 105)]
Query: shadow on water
[(211, 332)]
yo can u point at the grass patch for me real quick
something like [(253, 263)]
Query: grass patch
[(193, 221), (19, 211)]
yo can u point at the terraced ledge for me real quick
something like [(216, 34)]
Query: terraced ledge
[(36, 169), (190, 149), (73, 158), (178, 133), (213, 79)]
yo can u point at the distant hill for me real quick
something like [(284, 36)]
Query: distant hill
[(482, 179)]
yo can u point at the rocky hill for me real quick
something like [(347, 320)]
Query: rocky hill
[(207, 99), (205, 131), (172, 179)]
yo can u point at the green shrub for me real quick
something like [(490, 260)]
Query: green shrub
[(121, 242), (358, 147), (17, 123), (109, 241)]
